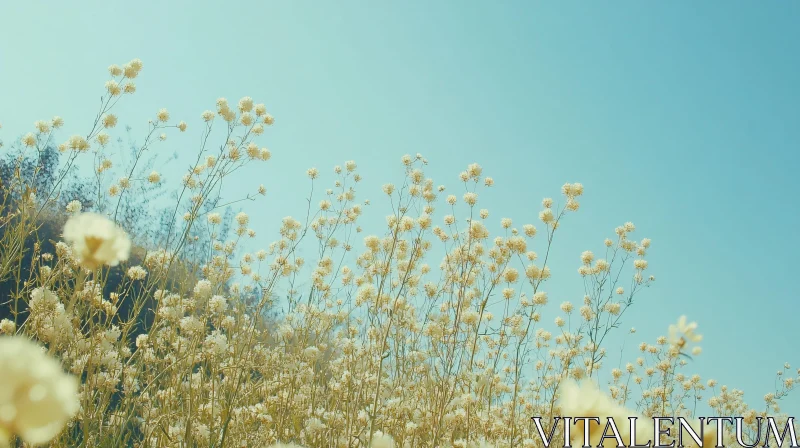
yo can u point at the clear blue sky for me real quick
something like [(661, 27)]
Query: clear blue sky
[(681, 116)]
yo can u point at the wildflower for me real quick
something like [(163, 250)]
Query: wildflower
[(246, 119), (245, 104), (683, 332), (96, 240), (311, 353), (109, 121), (530, 230), (214, 218), (154, 177), (103, 138), (163, 115), (132, 68), (208, 116), (137, 273), (74, 207), (113, 88), (470, 198), (7, 326), (242, 219), (182, 126), (218, 304), (42, 126), (37, 398), (202, 289), (381, 440), (585, 399), (29, 140)]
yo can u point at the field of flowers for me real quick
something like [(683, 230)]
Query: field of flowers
[(112, 337)]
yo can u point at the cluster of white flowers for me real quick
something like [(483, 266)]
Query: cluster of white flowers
[(433, 331)]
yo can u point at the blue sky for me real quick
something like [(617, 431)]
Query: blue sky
[(679, 116)]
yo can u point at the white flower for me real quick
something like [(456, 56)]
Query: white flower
[(96, 240), (586, 400), (202, 289), (216, 343), (682, 332), (7, 326), (381, 440), (218, 304), (154, 177), (74, 207), (37, 398), (311, 353), (163, 115), (137, 273)]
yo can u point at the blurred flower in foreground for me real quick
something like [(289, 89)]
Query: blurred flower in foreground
[(683, 332), (96, 240), (36, 398), (586, 399)]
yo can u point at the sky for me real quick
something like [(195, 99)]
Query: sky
[(679, 116)]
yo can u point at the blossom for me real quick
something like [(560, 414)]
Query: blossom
[(203, 289), (586, 399), (381, 440), (74, 207), (137, 273), (163, 115), (683, 332), (96, 240), (132, 68), (42, 126), (29, 140), (113, 88), (245, 104), (214, 218), (109, 121), (37, 398), (7, 326), (103, 138)]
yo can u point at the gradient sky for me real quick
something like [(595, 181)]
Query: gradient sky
[(680, 116)]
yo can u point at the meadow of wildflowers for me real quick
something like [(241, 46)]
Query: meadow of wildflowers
[(428, 332)]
